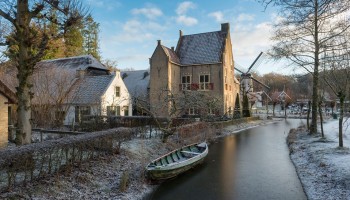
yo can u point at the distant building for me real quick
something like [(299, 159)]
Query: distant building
[(201, 62), (137, 83)]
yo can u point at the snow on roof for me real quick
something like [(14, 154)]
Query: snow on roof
[(73, 63), (137, 82), (89, 90)]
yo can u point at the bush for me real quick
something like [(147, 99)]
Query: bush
[(34, 161)]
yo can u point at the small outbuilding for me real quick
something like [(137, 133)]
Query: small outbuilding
[(7, 97)]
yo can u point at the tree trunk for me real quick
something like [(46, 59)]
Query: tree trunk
[(285, 111), (308, 116), (341, 114), (313, 129), (24, 127), (321, 118)]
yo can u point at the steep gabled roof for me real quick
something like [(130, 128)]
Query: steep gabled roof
[(279, 95), (73, 63), (89, 89), (202, 48), (171, 54), (137, 82)]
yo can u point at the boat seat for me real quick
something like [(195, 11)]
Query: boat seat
[(163, 161), (169, 159), (174, 156), (190, 152), (158, 163), (178, 153)]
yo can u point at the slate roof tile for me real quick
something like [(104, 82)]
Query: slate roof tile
[(73, 63), (202, 48), (89, 89), (172, 55)]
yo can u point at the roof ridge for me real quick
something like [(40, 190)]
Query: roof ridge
[(202, 33), (67, 58)]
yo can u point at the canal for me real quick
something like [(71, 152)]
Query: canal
[(251, 164)]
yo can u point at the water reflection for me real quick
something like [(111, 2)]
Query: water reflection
[(228, 165), (253, 164)]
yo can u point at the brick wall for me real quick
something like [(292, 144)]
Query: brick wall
[(3, 121)]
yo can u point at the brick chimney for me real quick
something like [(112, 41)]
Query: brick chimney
[(181, 33), (225, 27), (173, 48), (159, 42)]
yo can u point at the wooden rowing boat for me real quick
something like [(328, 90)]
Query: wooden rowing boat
[(177, 161)]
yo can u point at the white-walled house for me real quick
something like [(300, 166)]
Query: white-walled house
[(98, 95), (80, 86)]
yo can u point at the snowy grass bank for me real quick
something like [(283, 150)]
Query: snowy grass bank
[(101, 178), (323, 167)]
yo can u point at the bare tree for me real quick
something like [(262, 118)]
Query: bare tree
[(19, 15), (188, 103), (302, 35), (50, 97), (337, 74)]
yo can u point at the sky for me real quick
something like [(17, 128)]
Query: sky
[(129, 29)]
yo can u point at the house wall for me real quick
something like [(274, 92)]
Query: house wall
[(3, 121), (167, 75), (215, 72), (159, 81), (110, 98), (70, 116), (230, 85), (69, 120)]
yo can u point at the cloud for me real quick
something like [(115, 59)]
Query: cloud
[(248, 42), (184, 7), (218, 16), (187, 21), (245, 17), (150, 13), (106, 4), (136, 31), (181, 11)]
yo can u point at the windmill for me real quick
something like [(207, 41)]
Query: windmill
[(246, 83)]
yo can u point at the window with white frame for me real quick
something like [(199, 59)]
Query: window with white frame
[(117, 91), (186, 82), (118, 111), (191, 111), (111, 110), (81, 111), (126, 110), (204, 81)]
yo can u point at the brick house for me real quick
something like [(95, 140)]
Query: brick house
[(201, 62), (7, 97)]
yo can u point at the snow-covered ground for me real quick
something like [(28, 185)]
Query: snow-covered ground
[(323, 167), (100, 179)]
